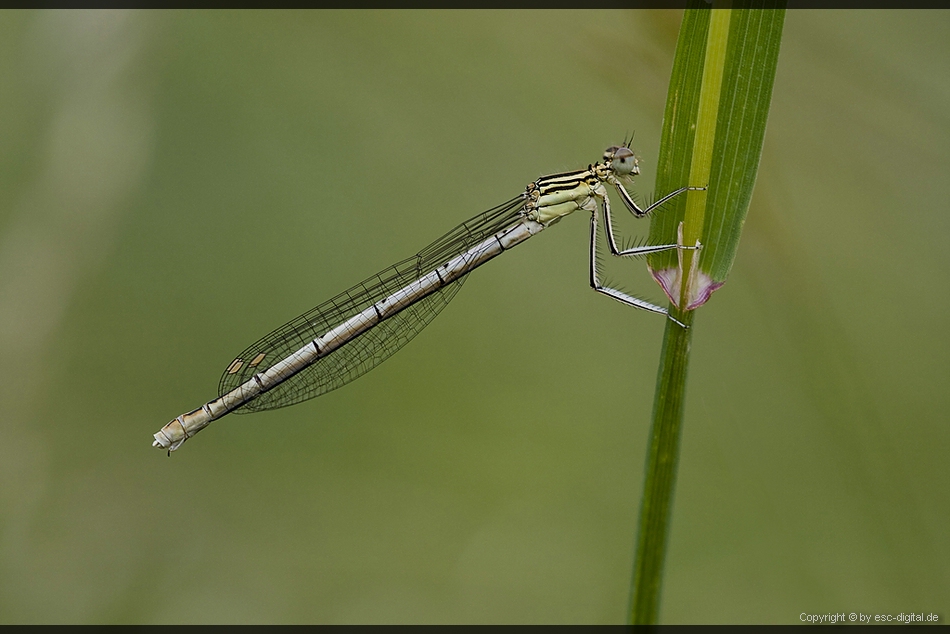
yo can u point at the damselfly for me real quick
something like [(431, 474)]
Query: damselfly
[(345, 337)]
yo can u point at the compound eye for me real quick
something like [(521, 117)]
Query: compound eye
[(624, 161)]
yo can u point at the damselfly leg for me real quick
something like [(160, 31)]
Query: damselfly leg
[(614, 293)]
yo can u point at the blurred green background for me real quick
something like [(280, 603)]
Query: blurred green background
[(175, 185)]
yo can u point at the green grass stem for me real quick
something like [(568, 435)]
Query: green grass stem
[(714, 126)]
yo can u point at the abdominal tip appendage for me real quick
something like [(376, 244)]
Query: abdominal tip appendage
[(161, 441)]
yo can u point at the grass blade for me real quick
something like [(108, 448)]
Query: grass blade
[(713, 129)]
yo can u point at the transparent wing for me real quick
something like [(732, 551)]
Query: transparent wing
[(374, 346)]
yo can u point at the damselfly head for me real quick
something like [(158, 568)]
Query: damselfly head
[(622, 160)]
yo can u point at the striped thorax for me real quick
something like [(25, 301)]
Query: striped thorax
[(550, 198)]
